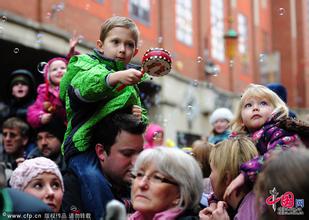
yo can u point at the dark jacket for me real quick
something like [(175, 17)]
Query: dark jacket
[(72, 201), (17, 202)]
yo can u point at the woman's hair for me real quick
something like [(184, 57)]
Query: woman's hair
[(201, 151), (179, 167), (118, 21), (286, 171), (228, 155), (258, 91)]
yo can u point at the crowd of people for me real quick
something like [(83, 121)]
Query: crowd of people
[(80, 143)]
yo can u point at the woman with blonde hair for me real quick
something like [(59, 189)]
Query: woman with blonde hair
[(225, 160)]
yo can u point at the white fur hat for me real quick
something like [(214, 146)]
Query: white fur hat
[(221, 113)]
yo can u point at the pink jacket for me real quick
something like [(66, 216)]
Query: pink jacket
[(36, 110)]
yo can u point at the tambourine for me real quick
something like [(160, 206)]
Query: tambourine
[(156, 62)]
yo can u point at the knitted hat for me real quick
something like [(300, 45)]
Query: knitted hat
[(151, 131), (31, 168), (21, 79), (46, 67), (22, 75), (221, 113), (279, 89), (55, 127)]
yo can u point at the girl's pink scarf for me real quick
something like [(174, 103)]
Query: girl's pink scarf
[(169, 214)]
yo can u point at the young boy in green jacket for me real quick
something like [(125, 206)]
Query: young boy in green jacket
[(89, 90)]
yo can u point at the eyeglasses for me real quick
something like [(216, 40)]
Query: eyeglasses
[(153, 178)]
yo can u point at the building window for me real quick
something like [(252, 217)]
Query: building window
[(217, 29), (139, 9), (242, 21), (184, 21), (264, 3), (243, 33)]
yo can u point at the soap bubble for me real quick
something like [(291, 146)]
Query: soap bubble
[(4, 18), (199, 59), (281, 11), (231, 63), (195, 83), (16, 50), (41, 67), (261, 57), (39, 37)]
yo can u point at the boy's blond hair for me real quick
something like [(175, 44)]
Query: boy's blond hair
[(227, 156), (259, 91), (118, 21)]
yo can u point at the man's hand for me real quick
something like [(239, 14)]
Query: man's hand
[(137, 111), (46, 118)]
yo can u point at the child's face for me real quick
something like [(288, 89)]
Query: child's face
[(46, 187), (56, 71), (221, 125), (20, 90), (255, 112), (118, 45), (158, 138)]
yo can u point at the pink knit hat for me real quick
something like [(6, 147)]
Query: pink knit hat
[(46, 67), (31, 168), (47, 76), (151, 131)]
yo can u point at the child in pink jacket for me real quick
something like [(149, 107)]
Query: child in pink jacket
[(154, 136), (48, 104)]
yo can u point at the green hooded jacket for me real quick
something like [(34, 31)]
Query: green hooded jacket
[(88, 98)]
